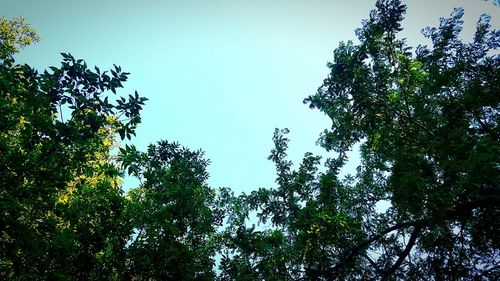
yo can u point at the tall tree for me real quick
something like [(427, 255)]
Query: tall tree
[(60, 197), (174, 214), (428, 124), (424, 202)]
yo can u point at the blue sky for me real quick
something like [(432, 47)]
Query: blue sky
[(219, 75)]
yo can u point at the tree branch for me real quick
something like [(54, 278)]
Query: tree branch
[(383, 233), (485, 127), (422, 126), (463, 209), (487, 272), (404, 254), (369, 259), (351, 253), (61, 113)]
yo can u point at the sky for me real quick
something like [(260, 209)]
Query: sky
[(220, 75)]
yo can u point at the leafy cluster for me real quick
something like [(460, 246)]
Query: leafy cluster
[(422, 205)]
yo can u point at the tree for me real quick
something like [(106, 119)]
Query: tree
[(59, 192), (64, 214), (174, 214), (427, 123), (15, 35)]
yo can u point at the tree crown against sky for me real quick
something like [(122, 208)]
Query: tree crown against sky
[(426, 120)]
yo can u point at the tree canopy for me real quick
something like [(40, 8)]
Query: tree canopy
[(422, 205)]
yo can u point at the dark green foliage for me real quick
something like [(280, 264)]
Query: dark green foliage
[(428, 127), (61, 202), (422, 205), (173, 216), (427, 124), (64, 214)]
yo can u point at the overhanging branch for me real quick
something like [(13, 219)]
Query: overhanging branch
[(404, 254), (463, 209)]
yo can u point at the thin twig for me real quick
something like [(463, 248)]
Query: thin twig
[(61, 114)]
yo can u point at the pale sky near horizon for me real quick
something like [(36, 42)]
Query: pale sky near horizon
[(220, 75)]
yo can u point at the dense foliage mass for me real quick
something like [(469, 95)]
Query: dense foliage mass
[(422, 205)]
